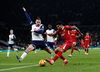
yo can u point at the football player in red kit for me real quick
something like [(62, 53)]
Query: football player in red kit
[(62, 31), (74, 34), (87, 42)]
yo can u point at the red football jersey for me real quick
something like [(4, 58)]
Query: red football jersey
[(87, 39), (65, 32), (73, 34)]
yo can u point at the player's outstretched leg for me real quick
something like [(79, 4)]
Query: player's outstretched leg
[(63, 58), (30, 48), (58, 55), (72, 50), (49, 51), (18, 58), (51, 61)]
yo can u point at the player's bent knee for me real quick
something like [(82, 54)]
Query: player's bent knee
[(30, 48), (73, 44), (57, 49)]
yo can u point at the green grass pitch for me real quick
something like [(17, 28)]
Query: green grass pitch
[(78, 63)]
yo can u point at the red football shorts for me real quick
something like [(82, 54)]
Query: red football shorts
[(65, 46)]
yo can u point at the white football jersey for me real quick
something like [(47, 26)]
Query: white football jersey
[(11, 39), (50, 38), (36, 36)]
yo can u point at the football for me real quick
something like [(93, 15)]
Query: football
[(42, 62)]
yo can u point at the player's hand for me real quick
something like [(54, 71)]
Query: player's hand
[(24, 9), (62, 34), (35, 29), (50, 34), (45, 33), (74, 27), (90, 43)]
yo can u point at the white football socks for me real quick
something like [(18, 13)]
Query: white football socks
[(23, 56), (8, 52)]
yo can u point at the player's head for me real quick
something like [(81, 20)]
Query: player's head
[(87, 33), (59, 25), (11, 31), (49, 26), (38, 21)]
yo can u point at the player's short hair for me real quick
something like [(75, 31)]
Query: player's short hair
[(38, 18), (87, 32), (11, 30), (59, 23), (49, 25)]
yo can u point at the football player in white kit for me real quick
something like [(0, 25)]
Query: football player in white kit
[(50, 37), (11, 42), (37, 40)]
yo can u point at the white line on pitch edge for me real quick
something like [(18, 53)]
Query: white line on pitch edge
[(17, 67), (15, 64)]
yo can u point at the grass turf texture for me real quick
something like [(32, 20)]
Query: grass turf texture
[(78, 63)]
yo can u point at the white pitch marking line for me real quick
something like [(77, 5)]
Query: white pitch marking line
[(18, 67), (16, 64)]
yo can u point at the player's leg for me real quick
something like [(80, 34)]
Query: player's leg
[(86, 49), (58, 52), (8, 51), (51, 61), (62, 57), (72, 48), (25, 53), (58, 55), (52, 45), (51, 52), (9, 48), (88, 46), (45, 47)]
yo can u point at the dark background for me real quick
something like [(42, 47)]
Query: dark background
[(84, 13)]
